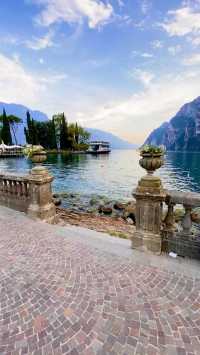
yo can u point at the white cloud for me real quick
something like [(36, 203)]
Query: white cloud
[(19, 85), (16, 84), (192, 60), (53, 78), (41, 43), (173, 50), (183, 21), (147, 55), (195, 41), (143, 76), (136, 116), (140, 54), (157, 44), (96, 12)]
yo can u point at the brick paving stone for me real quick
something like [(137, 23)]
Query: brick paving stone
[(62, 295)]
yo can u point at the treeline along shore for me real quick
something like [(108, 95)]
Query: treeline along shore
[(55, 135)]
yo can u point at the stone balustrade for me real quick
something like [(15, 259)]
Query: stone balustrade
[(29, 193), (15, 191), (181, 238)]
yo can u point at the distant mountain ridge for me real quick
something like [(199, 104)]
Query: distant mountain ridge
[(96, 134), (182, 132), (116, 142)]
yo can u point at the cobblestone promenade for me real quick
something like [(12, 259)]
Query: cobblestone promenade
[(65, 290)]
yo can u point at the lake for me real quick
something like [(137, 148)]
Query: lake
[(113, 175)]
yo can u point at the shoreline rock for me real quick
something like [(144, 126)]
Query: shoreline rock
[(97, 205)]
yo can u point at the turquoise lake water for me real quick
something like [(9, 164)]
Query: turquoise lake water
[(113, 175)]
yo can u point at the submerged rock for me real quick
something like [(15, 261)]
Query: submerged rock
[(195, 216), (97, 204), (119, 206), (129, 211), (57, 201), (105, 209)]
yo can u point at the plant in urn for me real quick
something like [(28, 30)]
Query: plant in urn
[(37, 154)]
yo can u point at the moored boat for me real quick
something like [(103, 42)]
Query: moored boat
[(7, 151), (99, 147)]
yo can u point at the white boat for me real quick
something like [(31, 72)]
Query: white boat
[(99, 147), (11, 151)]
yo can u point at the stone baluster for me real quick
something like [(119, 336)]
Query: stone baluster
[(25, 189), (1, 185), (187, 222), (169, 220), (10, 186), (6, 187), (15, 187), (20, 188)]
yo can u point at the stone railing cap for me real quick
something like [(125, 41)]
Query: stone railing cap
[(185, 198), (14, 176)]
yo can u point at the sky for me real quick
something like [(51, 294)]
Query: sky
[(124, 66)]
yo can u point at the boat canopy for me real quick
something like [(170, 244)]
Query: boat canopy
[(9, 147)]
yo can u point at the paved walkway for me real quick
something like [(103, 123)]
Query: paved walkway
[(67, 290)]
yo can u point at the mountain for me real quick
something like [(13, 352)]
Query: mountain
[(20, 111), (116, 142), (182, 132)]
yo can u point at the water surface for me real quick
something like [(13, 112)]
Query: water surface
[(113, 175)]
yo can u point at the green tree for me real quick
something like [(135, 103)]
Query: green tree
[(64, 142), (5, 132), (52, 134), (46, 134), (76, 133), (30, 131)]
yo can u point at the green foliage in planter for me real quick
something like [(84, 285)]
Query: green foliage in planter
[(151, 149), (31, 150)]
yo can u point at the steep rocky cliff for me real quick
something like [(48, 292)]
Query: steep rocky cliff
[(182, 132)]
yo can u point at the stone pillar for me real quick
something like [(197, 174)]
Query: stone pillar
[(41, 205), (149, 197)]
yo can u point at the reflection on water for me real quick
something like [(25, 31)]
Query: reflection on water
[(182, 171), (113, 175)]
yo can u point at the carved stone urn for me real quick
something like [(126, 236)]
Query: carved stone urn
[(151, 162), (38, 158)]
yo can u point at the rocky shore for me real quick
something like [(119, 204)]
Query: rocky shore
[(96, 205), (96, 212)]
